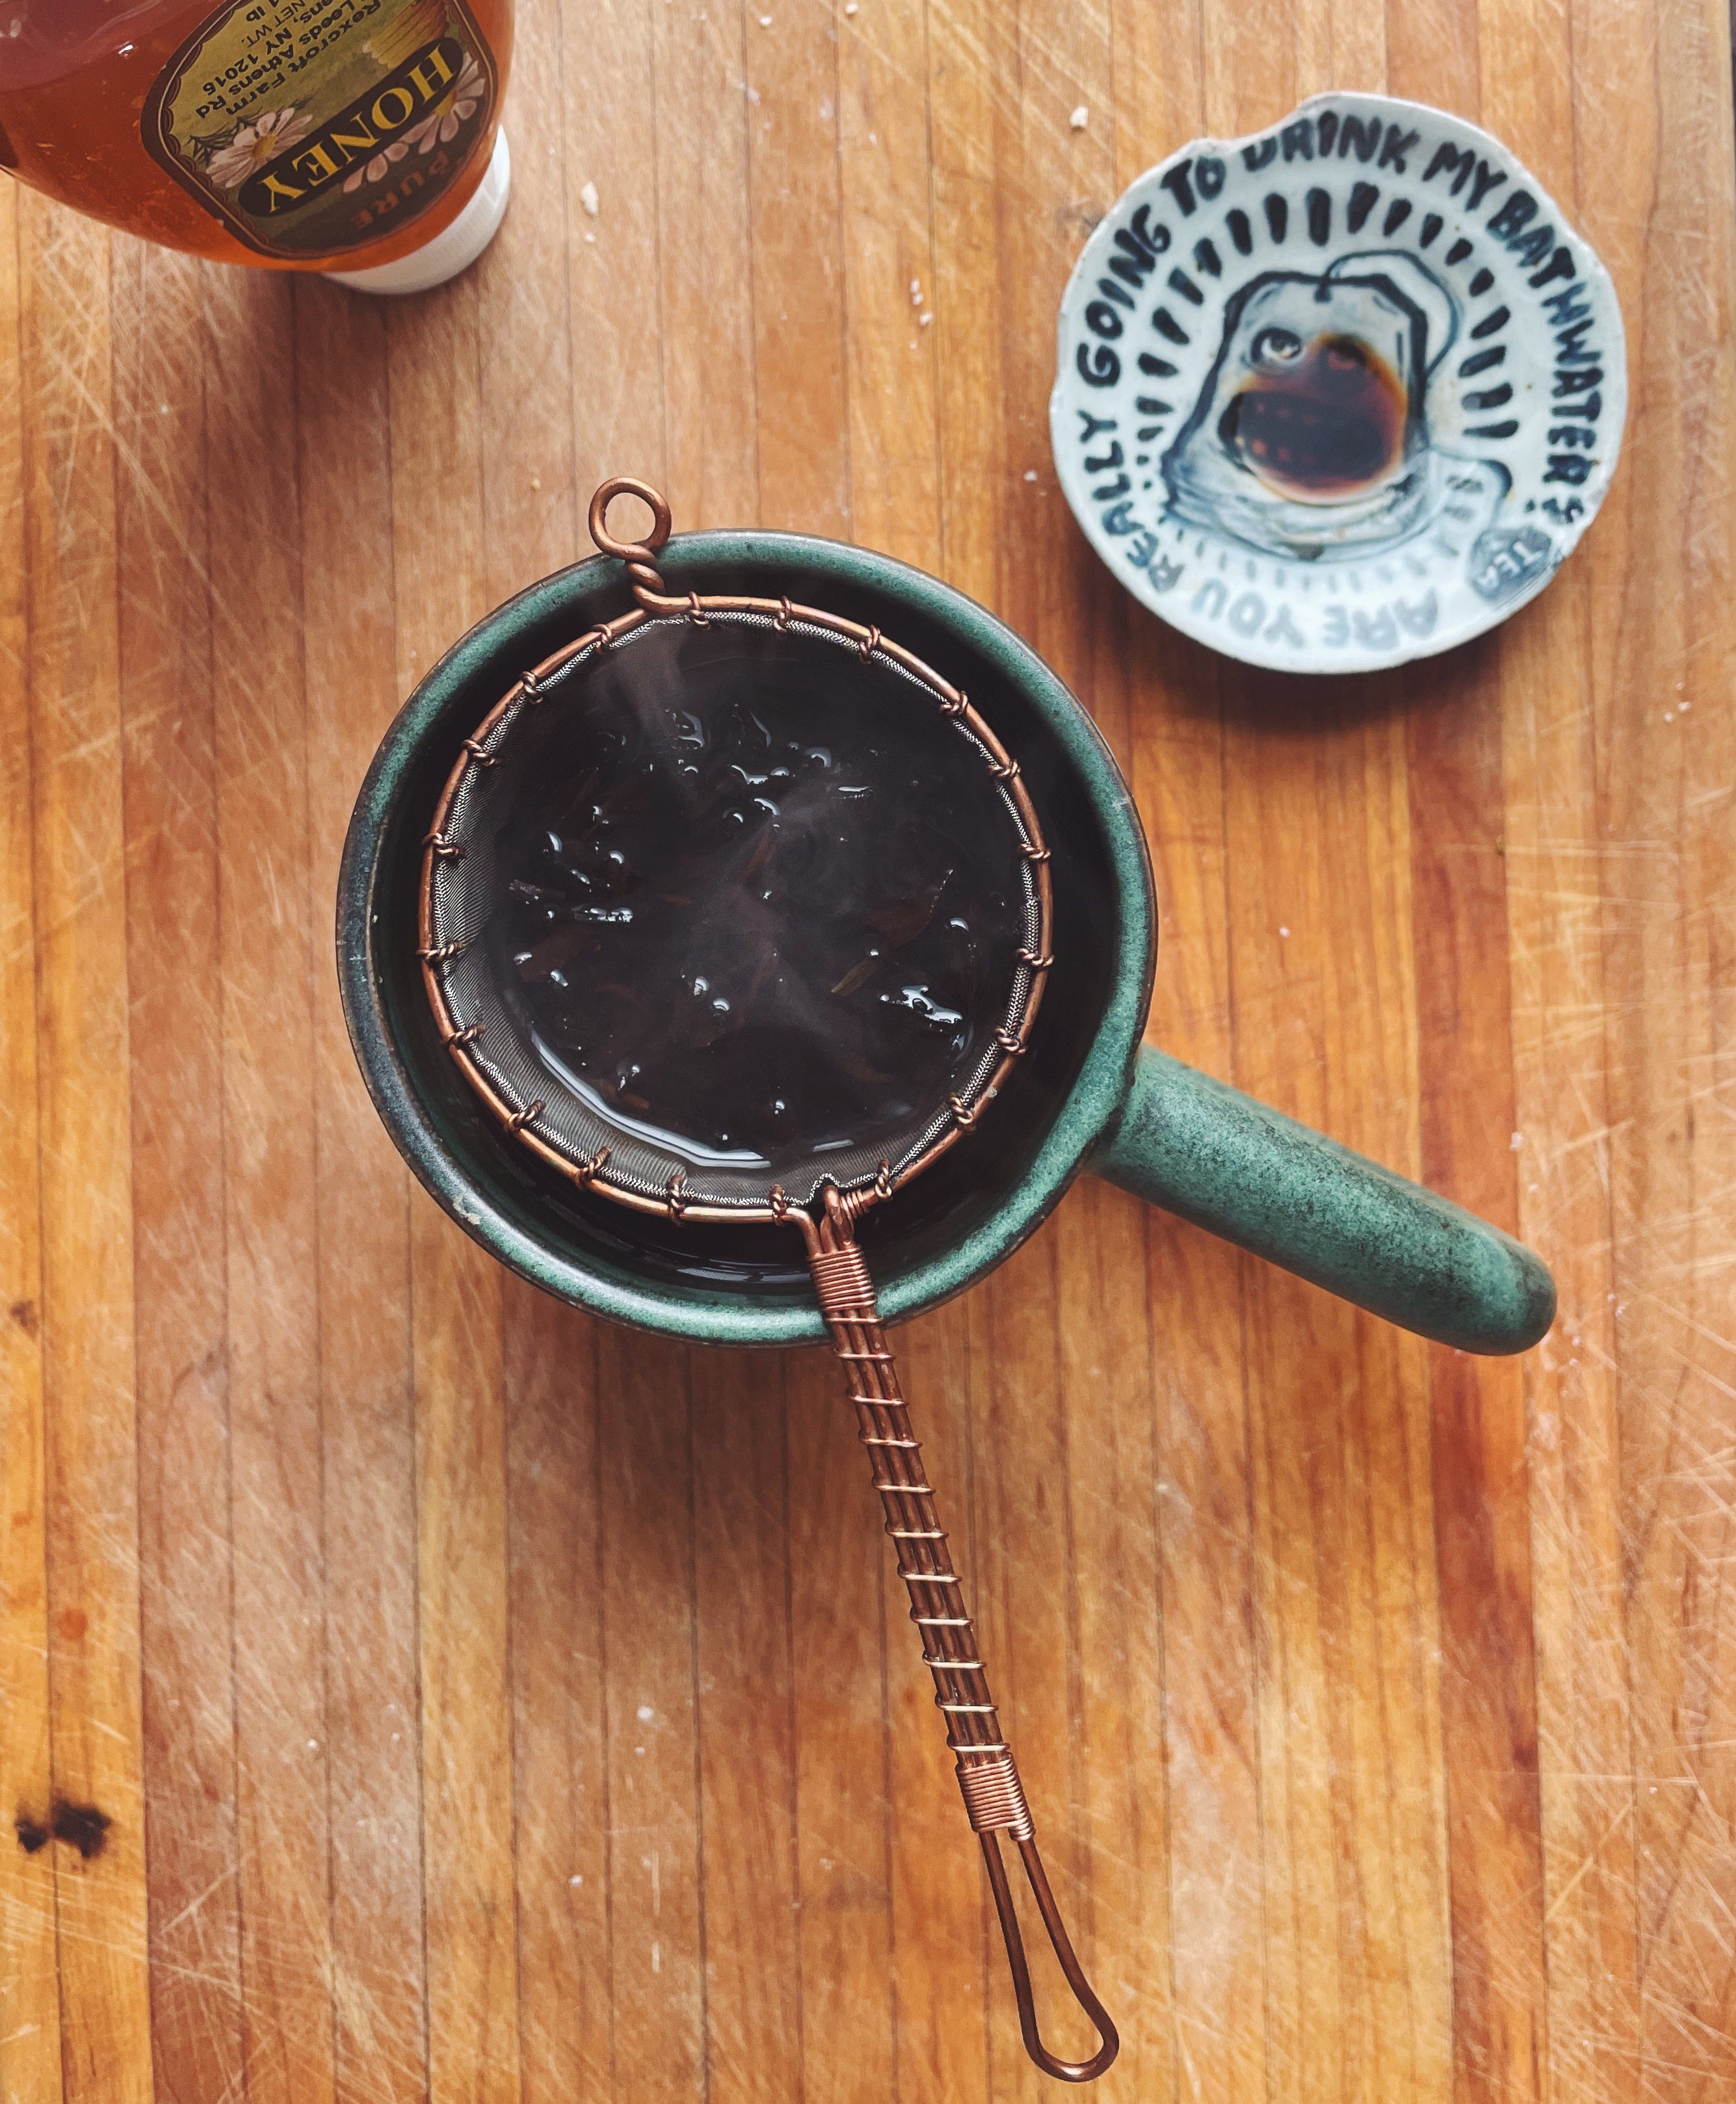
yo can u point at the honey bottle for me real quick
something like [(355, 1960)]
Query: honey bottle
[(360, 138)]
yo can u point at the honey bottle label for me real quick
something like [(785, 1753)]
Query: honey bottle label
[(313, 127)]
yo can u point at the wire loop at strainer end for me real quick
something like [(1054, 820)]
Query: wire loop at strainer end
[(628, 485), (648, 581)]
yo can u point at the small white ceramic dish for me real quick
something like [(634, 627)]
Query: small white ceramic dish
[(1340, 395)]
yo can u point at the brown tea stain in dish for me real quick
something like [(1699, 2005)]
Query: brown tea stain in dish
[(1317, 423)]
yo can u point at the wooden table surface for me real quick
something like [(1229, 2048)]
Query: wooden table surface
[(486, 1704)]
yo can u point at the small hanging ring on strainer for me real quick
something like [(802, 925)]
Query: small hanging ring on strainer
[(735, 910)]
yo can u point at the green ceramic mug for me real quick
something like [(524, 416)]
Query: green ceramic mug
[(1087, 1095)]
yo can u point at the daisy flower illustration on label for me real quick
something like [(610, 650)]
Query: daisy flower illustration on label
[(1340, 395), (254, 145), (439, 127)]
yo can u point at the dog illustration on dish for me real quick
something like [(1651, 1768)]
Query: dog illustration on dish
[(1312, 437)]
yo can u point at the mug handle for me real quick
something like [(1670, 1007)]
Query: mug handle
[(1241, 1170)]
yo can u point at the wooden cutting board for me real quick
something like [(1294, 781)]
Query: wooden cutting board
[(410, 1688)]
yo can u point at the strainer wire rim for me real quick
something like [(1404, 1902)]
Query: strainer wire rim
[(784, 614)]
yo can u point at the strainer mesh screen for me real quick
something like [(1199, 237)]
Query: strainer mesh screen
[(571, 1123)]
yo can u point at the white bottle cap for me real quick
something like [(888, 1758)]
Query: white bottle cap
[(455, 247)]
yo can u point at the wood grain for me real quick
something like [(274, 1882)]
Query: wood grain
[(490, 1704), (31, 2060), (362, 1241), (85, 1191), (175, 972)]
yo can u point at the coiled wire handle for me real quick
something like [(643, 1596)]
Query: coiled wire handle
[(988, 1775)]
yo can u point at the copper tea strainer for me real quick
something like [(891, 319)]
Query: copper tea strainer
[(637, 887)]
